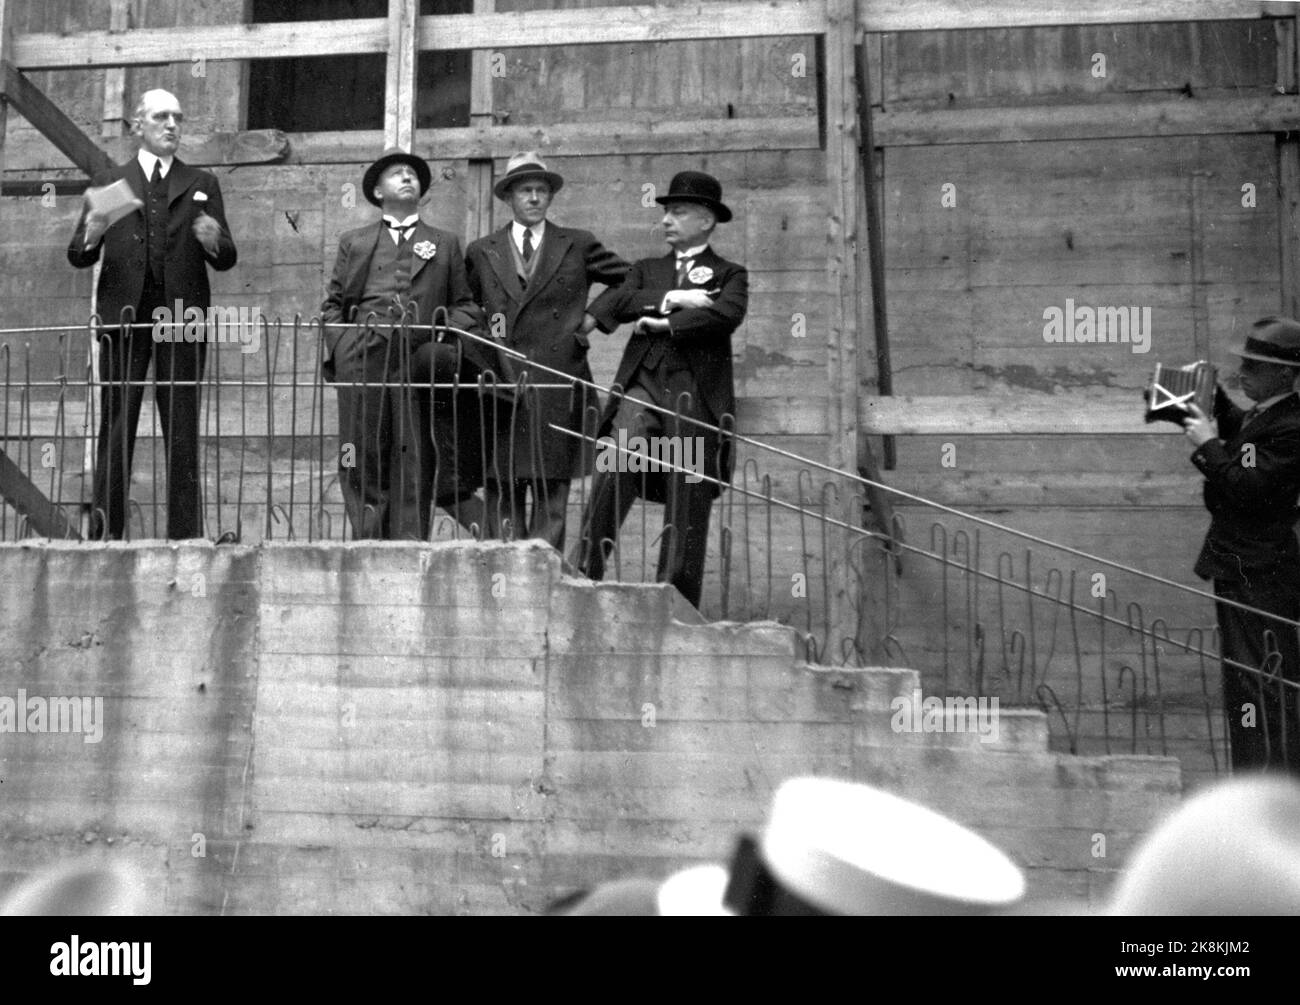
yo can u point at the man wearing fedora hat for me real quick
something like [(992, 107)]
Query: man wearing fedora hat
[(532, 279), (1251, 463), (389, 276), (677, 382)]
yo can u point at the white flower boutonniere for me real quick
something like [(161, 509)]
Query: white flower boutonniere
[(426, 249), (701, 274), (200, 197)]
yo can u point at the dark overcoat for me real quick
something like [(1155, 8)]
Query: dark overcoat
[(541, 321), (702, 335)]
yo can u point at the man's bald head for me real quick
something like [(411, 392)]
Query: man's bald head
[(157, 122)]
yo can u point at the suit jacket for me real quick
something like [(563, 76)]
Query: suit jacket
[(702, 335), (124, 252), (435, 282), (542, 322), (1252, 508)]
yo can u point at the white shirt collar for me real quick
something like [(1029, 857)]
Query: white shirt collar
[(692, 252), (517, 233), (410, 221), (147, 160)]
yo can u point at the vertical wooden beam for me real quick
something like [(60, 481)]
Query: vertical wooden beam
[(1196, 197), (115, 116), (851, 335), (478, 202), (6, 10), (399, 84), (1288, 170)]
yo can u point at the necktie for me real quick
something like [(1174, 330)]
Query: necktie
[(400, 231), (683, 270), (528, 245), (1250, 417), (156, 178)]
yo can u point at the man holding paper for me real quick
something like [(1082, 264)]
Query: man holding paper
[(156, 225)]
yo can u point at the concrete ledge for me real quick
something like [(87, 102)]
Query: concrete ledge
[(461, 728)]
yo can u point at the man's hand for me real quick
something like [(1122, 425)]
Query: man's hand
[(686, 299), (1200, 429), (654, 325), (208, 233), (96, 224)]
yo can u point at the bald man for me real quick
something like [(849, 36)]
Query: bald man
[(156, 256)]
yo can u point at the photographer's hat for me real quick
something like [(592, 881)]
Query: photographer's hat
[(523, 166), (391, 156), (1275, 340)]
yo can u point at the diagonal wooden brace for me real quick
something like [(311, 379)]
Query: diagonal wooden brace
[(43, 516), (30, 102)]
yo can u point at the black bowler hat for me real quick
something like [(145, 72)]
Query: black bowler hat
[(391, 156), (1276, 340), (525, 165), (696, 186)]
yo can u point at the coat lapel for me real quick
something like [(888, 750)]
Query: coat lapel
[(503, 264), (366, 248), (134, 175), (423, 232), (179, 179), (555, 242)]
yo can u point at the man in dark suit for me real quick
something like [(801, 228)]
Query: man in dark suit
[(685, 305), (532, 279), (154, 258), (388, 276), (1251, 463)]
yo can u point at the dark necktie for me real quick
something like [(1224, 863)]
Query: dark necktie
[(528, 245), (156, 178), (403, 231), (1250, 416), (683, 270)]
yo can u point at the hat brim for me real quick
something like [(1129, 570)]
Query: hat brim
[(1265, 359), (502, 188), (718, 209), (371, 177)]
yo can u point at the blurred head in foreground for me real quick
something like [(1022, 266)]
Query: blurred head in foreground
[(833, 848), (1232, 849), (81, 889)]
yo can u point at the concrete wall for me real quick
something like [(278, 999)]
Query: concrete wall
[(460, 729)]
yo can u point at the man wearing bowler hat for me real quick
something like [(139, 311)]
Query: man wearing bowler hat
[(1251, 463), (685, 304), (532, 279), (391, 275)]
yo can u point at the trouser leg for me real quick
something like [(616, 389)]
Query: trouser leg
[(685, 540), (550, 507), (124, 368), (1263, 725), (506, 509), (178, 367), (612, 493), (365, 431)]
